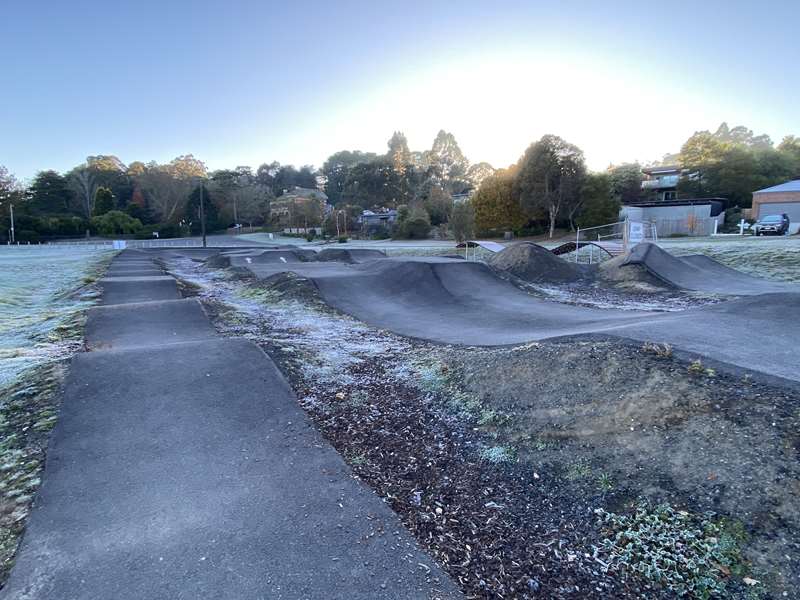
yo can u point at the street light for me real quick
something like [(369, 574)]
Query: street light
[(202, 210)]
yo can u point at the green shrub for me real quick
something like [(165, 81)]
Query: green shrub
[(115, 222), (27, 235), (380, 234), (415, 228)]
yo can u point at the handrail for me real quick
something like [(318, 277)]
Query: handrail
[(602, 226)]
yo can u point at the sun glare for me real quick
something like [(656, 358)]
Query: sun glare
[(501, 104)]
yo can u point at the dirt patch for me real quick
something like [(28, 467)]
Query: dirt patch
[(617, 423)]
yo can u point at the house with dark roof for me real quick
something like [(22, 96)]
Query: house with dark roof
[(284, 204), (377, 220), (660, 184), (778, 200)]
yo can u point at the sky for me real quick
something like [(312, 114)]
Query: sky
[(247, 82)]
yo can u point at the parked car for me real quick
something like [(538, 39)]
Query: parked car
[(772, 225)]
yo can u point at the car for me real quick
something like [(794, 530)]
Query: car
[(772, 225)]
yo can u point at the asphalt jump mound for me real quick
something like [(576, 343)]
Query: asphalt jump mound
[(285, 256), (650, 264), (291, 255), (534, 263), (349, 255)]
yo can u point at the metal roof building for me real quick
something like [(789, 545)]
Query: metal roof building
[(779, 199)]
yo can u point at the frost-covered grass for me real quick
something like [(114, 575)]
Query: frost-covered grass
[(28, 411), (43, 296), (327, 342), (43, 290), (768, 257), (497, 454)]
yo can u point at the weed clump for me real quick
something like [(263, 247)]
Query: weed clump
[(579, 470), (688, 555), (697, 368), (497, 454), (658, 350)]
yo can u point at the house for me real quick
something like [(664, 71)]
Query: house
[(462, 197), (284, 204), (777, 200), (301, 193), (383, 219), (661, 183)]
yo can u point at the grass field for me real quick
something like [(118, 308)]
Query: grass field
[(773, 258), (41, 289)]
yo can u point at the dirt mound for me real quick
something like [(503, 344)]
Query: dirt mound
[(532, 262), (635, 277), (349, 255), (288, 285)]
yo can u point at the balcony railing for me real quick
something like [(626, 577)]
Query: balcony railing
[(667, 181)]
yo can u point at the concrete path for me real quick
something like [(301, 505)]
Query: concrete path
[(182, 467)]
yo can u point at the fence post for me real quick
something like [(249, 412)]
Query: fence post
[(625, 235)]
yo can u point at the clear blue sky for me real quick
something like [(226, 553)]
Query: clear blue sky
[(249, 82)]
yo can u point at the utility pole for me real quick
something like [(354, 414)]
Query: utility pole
[(202, 215), (11, 238)]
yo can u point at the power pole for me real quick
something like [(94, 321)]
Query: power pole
[(11, 208), (202, 215)]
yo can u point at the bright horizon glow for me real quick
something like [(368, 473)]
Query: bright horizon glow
[(238, 85)]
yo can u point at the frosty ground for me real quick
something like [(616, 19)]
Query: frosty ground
[(44, 293)]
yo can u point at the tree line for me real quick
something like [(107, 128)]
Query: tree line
[(548, 187), (420, 185), (551, 186), (105, 196)]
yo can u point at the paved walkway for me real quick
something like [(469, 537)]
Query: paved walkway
[(182, 467)]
